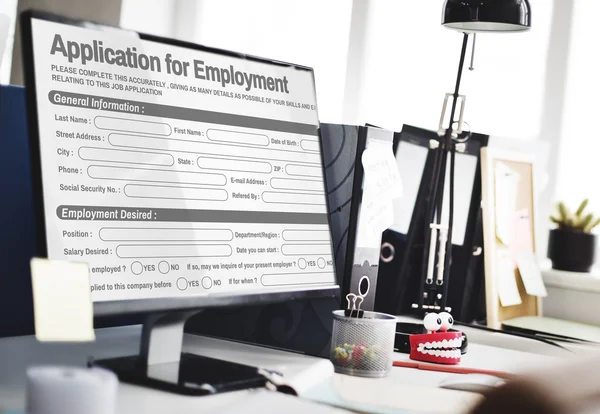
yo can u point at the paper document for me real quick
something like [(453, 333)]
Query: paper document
[(381, 185), (381, 171), (508, 291), (62, 301), (531, 274), (506, 188), (464, 178), (410, 161), (521, 235)]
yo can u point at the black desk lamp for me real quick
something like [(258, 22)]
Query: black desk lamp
[(468, 17)]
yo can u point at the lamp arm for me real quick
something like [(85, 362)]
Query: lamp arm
[(443, 146), (463, 53), (449, 148)]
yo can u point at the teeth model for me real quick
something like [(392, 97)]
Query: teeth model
[(438, 345)]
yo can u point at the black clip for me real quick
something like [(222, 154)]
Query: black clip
[(354, 311)]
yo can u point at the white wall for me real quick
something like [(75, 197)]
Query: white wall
[(308, 32), (578, 166), (148, 16), (312, 33)]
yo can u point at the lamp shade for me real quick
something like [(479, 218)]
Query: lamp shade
[(487, 15)]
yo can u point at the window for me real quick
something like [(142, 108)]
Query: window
[(578, 166), (411, 63), (8, 8)]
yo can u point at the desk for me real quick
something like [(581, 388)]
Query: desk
[(19, 352)]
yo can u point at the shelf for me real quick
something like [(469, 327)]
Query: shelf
[(585, 282)]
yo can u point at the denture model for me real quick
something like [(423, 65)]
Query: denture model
[(437, 345)]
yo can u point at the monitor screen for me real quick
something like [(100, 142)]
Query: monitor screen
[(175, 170)]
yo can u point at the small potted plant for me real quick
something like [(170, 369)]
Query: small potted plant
[(572, 245)]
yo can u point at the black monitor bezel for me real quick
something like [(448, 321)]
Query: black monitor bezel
[(137, 306)]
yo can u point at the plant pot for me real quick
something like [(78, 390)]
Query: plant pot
[(573, 251)]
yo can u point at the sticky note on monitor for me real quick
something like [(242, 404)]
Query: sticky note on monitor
[(62, 301)]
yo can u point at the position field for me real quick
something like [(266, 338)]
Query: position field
[(124, 156), (164, 234), (159, 176), (235, 137), (175, 193), (306, 249), (132, 125), (210, 148), (293, 184), (282, 279), (306, 235), (292, 198), (146, 251), (309, 145), (227, 164), (304, 170)]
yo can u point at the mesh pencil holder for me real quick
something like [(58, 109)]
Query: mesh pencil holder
[(363, 346)]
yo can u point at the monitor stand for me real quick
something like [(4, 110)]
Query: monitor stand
[(162, 365)]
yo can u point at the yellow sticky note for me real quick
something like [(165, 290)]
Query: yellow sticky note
[(62, 301)]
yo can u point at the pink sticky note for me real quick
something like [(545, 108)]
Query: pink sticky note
[(521, 239)]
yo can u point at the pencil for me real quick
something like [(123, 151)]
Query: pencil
[(454, 369)]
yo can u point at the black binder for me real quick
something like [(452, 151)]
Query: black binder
[(343, 147), (400, 283)]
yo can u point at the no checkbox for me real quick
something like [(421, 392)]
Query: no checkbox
[(206, 282), (137, 268), (163, 267)]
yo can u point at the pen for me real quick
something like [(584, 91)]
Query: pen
[(454, 369)]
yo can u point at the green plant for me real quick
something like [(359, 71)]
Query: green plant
[(578, 221)]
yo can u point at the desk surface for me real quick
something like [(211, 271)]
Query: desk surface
[(19, 352)]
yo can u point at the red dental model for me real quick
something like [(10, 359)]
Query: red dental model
[(437, 345)]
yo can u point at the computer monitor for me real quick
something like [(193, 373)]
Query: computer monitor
[(187, 177)]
